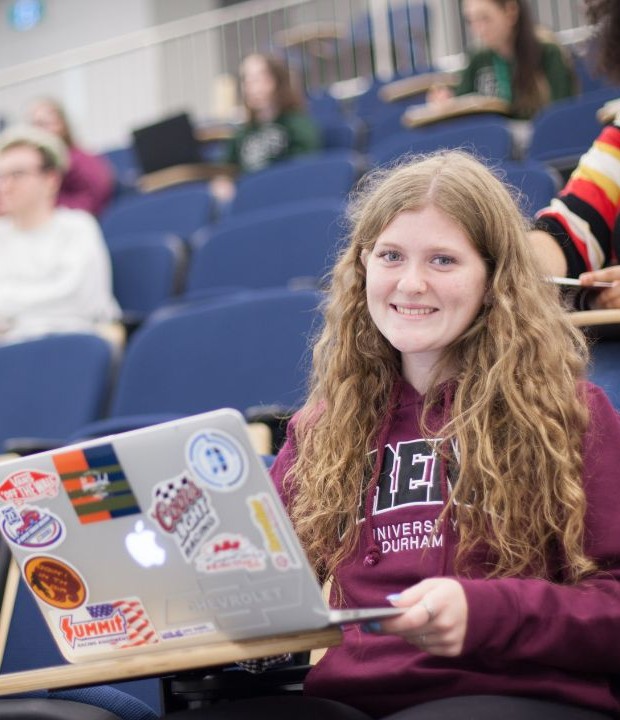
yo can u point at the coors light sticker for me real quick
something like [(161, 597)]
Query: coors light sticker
[(184, 510)]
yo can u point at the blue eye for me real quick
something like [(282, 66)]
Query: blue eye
[(443, 260), (390, 255)]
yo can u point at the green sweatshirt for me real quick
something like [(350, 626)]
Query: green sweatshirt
[(257, 145), (490, 74)]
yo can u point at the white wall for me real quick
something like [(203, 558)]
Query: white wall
[(104, 99), (71, 23)]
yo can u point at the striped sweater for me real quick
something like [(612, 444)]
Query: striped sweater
[(583, 218)]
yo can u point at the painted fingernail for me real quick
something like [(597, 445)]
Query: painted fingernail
[(393, 597), (371, 627)]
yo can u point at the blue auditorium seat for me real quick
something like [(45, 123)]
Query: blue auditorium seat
[(315, 175), (536, 183), (292, 244), (53, 385), (564, 130), (146, 269), (247, 351), (486, 137), (180, 210)]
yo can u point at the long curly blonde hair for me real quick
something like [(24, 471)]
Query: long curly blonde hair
[(517, 417)]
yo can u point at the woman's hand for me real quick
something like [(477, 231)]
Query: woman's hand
[(438, 95), (435, 618), (608, 298), (222, 188)]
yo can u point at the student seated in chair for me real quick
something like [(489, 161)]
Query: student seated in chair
[(55, 273), (516, 62), (276, 128), (452, 461), (88, 182)]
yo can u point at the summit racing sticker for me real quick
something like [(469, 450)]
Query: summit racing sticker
[(31, 527), (55, 582), (28, 486), (122, 623)]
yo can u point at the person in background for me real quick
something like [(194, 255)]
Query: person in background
[(55, 273), (453, 462), (88, 183), (515, 62), (277, 126), (578, 235)]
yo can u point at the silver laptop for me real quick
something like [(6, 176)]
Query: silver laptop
[(165, 536)]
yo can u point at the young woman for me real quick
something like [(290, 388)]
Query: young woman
[(451, 459), (88, 183), (277, 126), (514, 62)]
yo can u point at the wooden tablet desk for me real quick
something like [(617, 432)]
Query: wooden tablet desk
[(178, 174), (583, 318), (162, 663), (598, 324), (420, 115), (416, 85)]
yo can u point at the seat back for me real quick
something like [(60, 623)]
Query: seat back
[(564, 130), (387, 121), (489, 138), (339, 133), (125, 167), (240, 352), (535, 182), (53, 385), (316, 175), (146, 270), (322, 104), (179, 210), (269, 248)]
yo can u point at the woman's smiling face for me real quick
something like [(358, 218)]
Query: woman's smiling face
[(425, 285)]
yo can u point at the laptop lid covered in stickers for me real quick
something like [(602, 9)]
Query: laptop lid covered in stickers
[(165, 536)]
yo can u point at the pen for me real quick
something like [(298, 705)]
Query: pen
[(576, 283)]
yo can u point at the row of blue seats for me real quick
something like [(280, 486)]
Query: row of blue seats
[(246, 350), (559, 133), (284, 228)]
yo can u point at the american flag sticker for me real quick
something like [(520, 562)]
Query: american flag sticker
[(96, 484), (118, 623)]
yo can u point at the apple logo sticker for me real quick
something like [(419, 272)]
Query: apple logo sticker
[(142, 545)]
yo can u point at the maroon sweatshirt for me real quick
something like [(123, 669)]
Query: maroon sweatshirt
[(88, 183), (525, 637)]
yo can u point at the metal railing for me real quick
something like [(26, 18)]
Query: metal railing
[(112, 86)]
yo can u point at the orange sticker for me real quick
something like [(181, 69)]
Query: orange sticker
[(55, 582)]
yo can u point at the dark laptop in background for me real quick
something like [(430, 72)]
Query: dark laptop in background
[(166, 143)]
